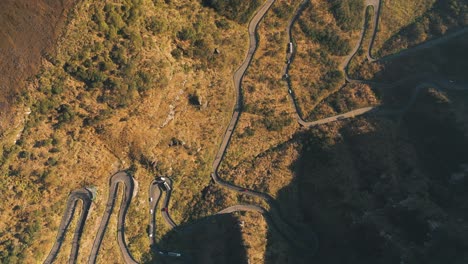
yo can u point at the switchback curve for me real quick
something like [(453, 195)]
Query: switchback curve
[(86, 197), (127, 181), (344, 66), (238, 76)]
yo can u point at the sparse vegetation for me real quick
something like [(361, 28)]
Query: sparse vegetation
[(321, 43), (131, 87), (348, 13), (407, 23), (238, 10), (114, 72)]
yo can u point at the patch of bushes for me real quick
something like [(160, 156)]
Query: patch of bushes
[(348, 13), (442, 17), (237, 10), (276, 123), (327, 37), (282, 10)]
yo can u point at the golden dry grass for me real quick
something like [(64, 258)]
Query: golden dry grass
[(128, 135), (395, 15), (140, 135)]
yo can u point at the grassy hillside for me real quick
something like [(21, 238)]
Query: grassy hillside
[(238, 10), (348, 13), (409, 23), (115, 98), (146, 86), (29, 30), (440, 61), (321, 47)]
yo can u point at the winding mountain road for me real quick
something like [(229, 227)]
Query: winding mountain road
[(274, 213), (86, 197), (120, 178), (344, 66), (376, 6), (237, 78), (154, 197), (273, 216), (156, 188)]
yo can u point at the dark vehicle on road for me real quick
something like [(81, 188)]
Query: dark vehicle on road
[(290, 47)]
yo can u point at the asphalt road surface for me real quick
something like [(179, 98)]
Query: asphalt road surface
[(377, 7), (347, 60), (157, 186), (154, 197), (290, 58), (120, 178), (273, 216), (86, 197)]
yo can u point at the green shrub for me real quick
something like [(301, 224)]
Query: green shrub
[(65, 115), (348, 13), (186, 34), (238, 10), (276, 123), (282, 10), (156, 25), (327, 37), (51, 162), (222, 24)]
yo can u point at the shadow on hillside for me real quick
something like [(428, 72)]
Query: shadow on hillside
[(375, 191), (214, 239), (444, 59), (443, 11), (381, 191)]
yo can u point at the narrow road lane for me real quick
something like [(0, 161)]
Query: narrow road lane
[(126, 180), (86, 197), (344, 66), (274, 213)]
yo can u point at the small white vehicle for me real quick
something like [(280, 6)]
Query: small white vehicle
[(166, 185), (150, 235), (151, 211), (290, 91), (151, 199)]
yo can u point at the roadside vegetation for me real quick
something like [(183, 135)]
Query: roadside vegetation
[(405, 24), (237, 10), (441, 61), (321, 45), (117, 94), (351, 97), (134, 88), (267, 116), (348, 13)]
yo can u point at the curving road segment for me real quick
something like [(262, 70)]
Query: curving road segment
[(274, 213), (291, 55), (272, 216), (120, 178), (86, 197)]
